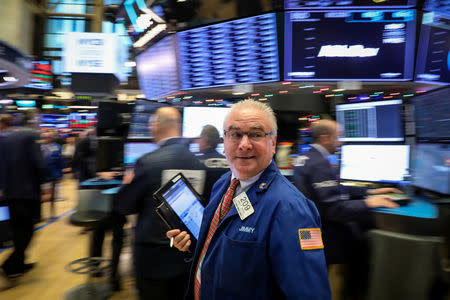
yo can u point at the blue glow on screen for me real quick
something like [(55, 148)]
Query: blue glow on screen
[(4, 213), (336, 4), (335, 45), (235, 52), (26, 103)]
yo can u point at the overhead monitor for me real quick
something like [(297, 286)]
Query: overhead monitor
[(242, 51), (377, 163), (41, 76), (157, 69), (133, 151), (194, 118), (139, 127), (432, 115), (431, 167), (375, 45), (54, 121), (82, 120), (433, 54), (378, 121), (337, 4)]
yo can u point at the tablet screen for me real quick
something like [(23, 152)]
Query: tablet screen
[(4, 213), (185, 204)]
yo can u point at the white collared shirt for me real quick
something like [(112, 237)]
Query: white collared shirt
[(244, 185)]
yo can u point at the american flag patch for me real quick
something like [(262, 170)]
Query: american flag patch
[(310, 238)]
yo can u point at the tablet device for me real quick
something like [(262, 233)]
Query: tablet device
[(180, 206)]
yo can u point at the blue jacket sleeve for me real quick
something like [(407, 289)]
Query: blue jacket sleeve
[(300, 274), (330, 203)]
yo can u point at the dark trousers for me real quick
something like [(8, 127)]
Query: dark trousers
[(98, 236), (21, 223), (167, 289)]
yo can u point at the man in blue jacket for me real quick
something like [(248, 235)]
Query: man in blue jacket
[(161, 272), (344, 211), (268, 245)]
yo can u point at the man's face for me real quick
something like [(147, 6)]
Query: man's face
[(248, 157)]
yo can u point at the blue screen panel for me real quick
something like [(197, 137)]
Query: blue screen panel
[(431, 167), (4, 213), (442, 6), (133, 151), (349, 45), (157, 69), (333, 4), (433, 55), (235, 52)]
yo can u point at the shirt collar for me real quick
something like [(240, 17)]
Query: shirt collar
[(244, 185), (321, 149)]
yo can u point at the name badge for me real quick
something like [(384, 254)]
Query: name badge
[(243, 206)]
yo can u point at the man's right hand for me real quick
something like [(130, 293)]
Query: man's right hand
[(380, 201), (181, 240)]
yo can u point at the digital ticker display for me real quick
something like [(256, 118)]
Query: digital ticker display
[(308, 4), (372, 45), (433, 55), (157, 69), (236, 52)]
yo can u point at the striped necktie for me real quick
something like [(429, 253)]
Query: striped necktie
[(220, 213)]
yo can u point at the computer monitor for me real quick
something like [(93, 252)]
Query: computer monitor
[(109, 154), (133, 151), (433, 62), (339, 4), (82, 120), (378, 121), (142, 111), (376, 163), (431, 167), (4, 213), (194, 118), (113, 118), (432, 115), (375, 45)]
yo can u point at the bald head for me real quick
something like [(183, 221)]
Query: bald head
[(165, 123), (326, 133)]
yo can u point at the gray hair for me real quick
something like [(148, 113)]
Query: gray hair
[(259, 106)]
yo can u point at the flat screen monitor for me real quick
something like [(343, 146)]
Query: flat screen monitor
[(376, 45), (54, 121), (337, 4), (139, 127), (194, 148), (4, 213), (378, 121), (194, 118), (82, 120), (157, 69), (133, 151), (433, 54), (41, 76), (242, 51), (437, 5), (109, 154), (432, 115), (113, 118), (431, 167), (377, 163)]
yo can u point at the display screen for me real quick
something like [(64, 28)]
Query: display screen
[(133, 151), (378, 121), (306, 4), (157, 69), (4, 213), (194, 118), (379, 163), (82, 120), (54, 121), (433, 55), (349, 45), (230, 53), (41, 76), (26, 103), (431, 167), (185, 204), (437, 5), (432, 115), (139, 127)]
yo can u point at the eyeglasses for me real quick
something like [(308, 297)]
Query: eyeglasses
[(236, 135)]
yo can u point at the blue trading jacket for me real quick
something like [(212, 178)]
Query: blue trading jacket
[(260, 257), (338, 206)]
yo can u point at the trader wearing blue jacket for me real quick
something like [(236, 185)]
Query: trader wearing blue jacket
[(268, 245)]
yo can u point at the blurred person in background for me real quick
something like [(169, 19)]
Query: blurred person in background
[(68, 151), (215, 163), (55, 164), (25, 168), (161, 271), (344, 210), (83, 164)]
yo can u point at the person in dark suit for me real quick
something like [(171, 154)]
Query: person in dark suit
[(344, 210), (26, 171), (83, 163), (161, 271), (215, 163)]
